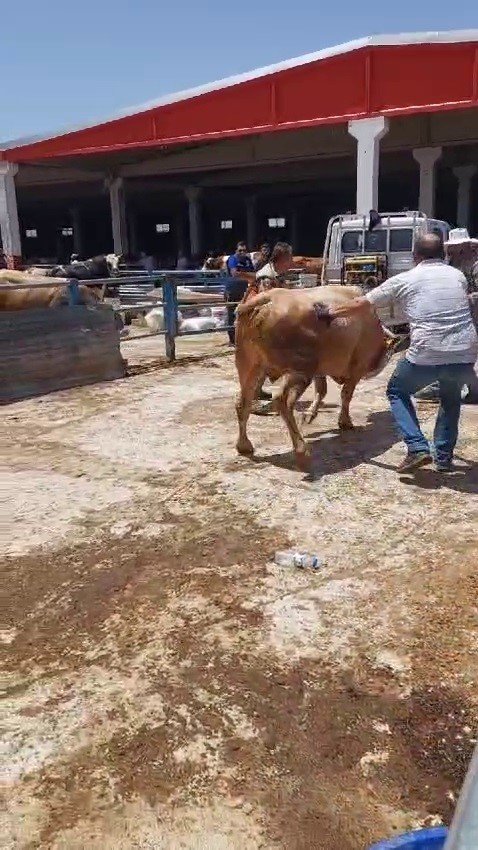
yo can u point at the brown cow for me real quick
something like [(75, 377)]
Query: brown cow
[(35, 297), (309, 265), (287, 334)]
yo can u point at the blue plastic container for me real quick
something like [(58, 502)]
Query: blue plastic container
[(421, 839)]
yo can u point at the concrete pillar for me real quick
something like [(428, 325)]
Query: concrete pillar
[(427, 158), (193, 194), (78, 245), (368, 132), (119, 224), (9, 226), (464, 174), (251, 222)]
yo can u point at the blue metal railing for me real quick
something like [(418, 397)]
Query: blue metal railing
[(172, 305), (142, 301), (135, 297)]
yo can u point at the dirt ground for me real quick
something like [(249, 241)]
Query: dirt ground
[(166, 685)]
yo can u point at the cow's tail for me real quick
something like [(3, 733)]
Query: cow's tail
[(323, 313)]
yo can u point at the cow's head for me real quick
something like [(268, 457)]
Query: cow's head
[(213, 262), (113, 261)]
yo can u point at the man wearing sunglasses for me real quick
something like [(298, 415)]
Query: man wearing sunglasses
[(235, 288)]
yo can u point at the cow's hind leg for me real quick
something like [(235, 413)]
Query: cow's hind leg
[(348, 388), (293, 386), (251, 377), (320, 391)]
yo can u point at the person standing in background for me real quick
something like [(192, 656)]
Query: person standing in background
[(273, 273), (236, 287), (263, 258)]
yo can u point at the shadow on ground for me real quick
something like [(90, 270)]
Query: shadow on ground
[(462, 479), (336, 451)]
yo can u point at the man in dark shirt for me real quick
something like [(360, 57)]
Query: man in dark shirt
[(235, 288)]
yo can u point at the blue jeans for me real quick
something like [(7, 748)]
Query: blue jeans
[(407, 379)]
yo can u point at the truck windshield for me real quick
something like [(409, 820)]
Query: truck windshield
[(375, 242), (352, 242), (401, 239)]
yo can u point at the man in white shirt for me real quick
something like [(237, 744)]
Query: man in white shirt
[(443, 348), (273, 274)]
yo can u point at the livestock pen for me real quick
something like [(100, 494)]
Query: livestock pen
[(138, 294), (43, 348), (48, 349)]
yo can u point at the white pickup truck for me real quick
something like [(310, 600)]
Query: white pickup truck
[(356, 253)]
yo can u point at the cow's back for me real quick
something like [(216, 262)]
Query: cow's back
[(30, 299), (287, 328), (361, 333), (34, 297)]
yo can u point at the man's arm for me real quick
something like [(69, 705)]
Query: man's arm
[(381, 296), (356, 305), (241, 271)]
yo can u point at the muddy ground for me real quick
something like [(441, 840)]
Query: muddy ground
[(167, 686)]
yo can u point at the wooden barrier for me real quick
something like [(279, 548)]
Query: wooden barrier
[(52, 349)]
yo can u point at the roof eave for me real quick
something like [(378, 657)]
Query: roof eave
[(452, 36)]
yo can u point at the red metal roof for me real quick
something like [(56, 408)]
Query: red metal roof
[(394, 75)]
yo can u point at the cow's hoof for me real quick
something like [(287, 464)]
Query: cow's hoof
[(346, 425), (304, 461), (245, 448)]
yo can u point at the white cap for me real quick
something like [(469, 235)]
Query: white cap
[(460, 236)]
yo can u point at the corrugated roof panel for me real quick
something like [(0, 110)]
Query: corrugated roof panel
[(386, 74), (434, 76)]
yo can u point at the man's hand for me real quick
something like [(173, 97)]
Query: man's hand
[(356, 305)]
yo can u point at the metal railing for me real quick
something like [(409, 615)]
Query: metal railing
[(135, 298), (72, 286), (171, 302), (129, 287)]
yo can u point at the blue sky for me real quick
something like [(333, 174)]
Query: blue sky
[(69, 62)]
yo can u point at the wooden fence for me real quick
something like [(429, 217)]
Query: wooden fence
[(44, 350)]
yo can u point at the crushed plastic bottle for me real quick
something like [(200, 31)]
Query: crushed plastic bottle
[(301, 560)]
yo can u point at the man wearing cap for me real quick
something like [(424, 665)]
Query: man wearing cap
[(443, 348), (462, 253)]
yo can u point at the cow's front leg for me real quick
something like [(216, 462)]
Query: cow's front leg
[(320, 391), (345, 422), (251, 377), (293, 387), (243, 409)]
